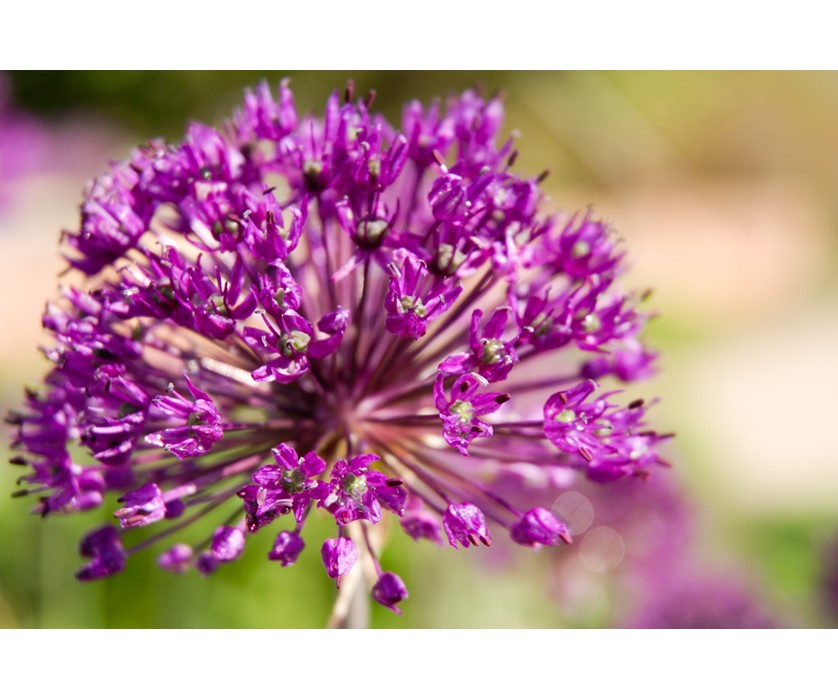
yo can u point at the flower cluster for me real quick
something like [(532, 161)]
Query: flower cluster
[(292, 315)]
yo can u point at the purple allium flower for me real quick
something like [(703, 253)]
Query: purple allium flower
[(202, 424), (24, 144), (488, 355), (287, 487), (142, 507), (409, 311), (382, 309), (356, 492), (460, 414), (609, 438)]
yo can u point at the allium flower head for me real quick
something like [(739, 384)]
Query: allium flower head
[(328, 315)]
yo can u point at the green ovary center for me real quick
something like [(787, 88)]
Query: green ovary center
[(294, 343), (354, 485), (566, 416), (413, 305), (464, 410), (492, 349)]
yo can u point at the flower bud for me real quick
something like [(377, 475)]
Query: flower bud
[(287, 548), (539, 526), (389, 590), (464, 523), (338, 556)]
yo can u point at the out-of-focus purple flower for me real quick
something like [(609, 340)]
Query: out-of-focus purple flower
[(24, 143), (628, 361), (420, 524), (378, 323), (611, 440), (637, 542), (104, 549), (579, 249), (177, 559), (700, 601), (266, 117), (227, 543), (539, 526), (206, 563)]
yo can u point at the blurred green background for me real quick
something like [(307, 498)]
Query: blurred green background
[(724, 188)]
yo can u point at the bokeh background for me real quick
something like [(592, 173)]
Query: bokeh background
[(723, 186)]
